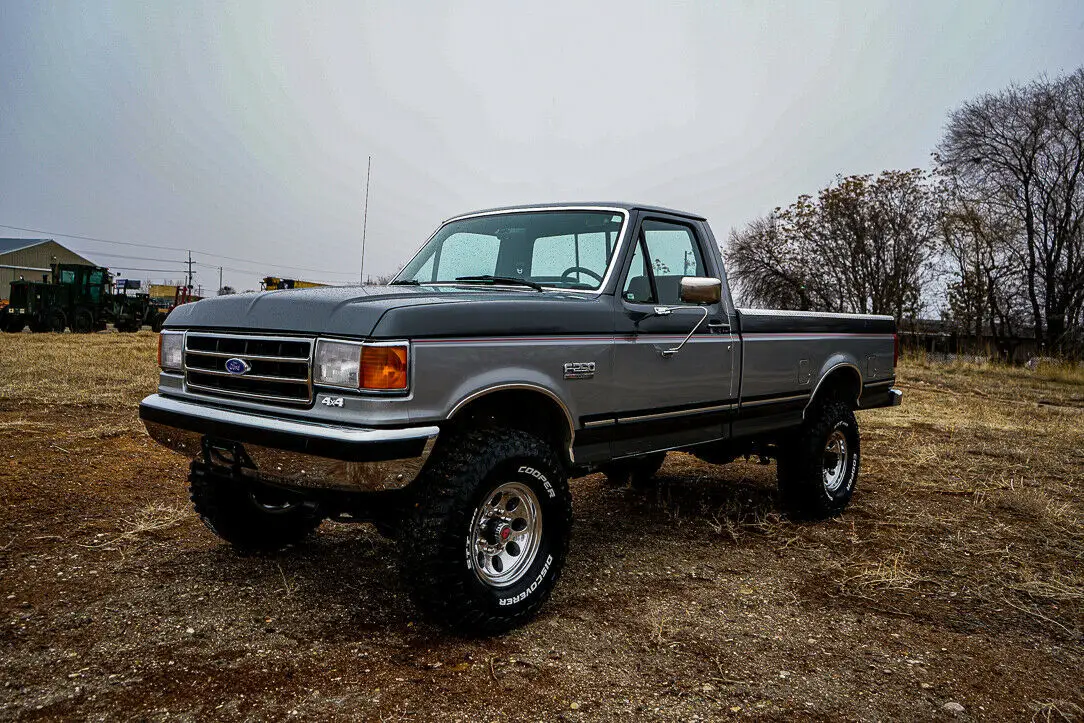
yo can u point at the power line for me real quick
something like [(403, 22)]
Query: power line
[(182, 262), (162, 271), (229, 268), (87, 238), (260, 274), (131, 258), (98, 239)]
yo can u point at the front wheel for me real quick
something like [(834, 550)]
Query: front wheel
[(489, 532), (55, 321), (818, 471), (83, 321)]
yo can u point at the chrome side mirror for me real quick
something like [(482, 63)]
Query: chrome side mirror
[(701, 290)]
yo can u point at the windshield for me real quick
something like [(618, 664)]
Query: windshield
[(564, 249)]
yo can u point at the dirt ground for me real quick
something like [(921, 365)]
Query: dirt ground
[(952, 587)]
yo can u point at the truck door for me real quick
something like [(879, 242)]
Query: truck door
[(668, 400)]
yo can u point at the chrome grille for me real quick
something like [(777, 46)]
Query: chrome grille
[(280, 367)]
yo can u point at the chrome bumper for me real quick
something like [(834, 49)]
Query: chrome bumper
[(290, 452)]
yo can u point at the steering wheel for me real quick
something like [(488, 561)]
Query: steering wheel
[(573, 269)]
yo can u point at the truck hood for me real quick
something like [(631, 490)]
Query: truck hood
[(390, 311)]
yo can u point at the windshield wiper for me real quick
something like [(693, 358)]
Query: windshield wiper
[(405, 282), (491, 279)]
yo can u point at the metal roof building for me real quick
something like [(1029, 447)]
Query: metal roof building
[(32, 258)]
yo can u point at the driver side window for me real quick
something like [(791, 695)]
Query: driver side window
[(665, 253), (638, 288)]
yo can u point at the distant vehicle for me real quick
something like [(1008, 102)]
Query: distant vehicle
[(520, 347), (81, 298), (274, 283), (181, 295)]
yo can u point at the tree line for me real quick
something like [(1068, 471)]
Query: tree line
[(991, 239)]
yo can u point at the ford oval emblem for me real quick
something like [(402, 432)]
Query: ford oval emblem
[(237, 366)]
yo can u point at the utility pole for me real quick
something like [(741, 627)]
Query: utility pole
[(365, 218), (220, 280), (188, 281)]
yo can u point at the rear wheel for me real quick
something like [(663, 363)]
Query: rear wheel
[(818, 472), (489, 532), (83, 321), (634, 471), (251, 516), (156, 322), (14, 325)]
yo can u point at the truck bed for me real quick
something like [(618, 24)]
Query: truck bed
[(786, 353)]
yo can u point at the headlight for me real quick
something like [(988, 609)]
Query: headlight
[(353, 365), (171, 350), (337, 363)]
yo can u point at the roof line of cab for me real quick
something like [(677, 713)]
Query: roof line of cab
[(585, 204)]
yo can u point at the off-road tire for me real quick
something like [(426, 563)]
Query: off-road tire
[(635, 472), (803, 465), (437, 562), (83, 321), (14, 325), (156, 322), (228, 508)]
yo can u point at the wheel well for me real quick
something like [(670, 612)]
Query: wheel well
[(528, 410), (841, 382)]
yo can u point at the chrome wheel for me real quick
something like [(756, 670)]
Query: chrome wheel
[(505, 534), (835, 461)]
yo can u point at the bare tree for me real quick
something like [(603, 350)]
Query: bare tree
[(1019, 153), (984, 287), (865, 244), (766, 265)]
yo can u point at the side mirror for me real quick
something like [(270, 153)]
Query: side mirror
[(701, 290)]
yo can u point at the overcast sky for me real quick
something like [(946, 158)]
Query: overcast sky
[(243, 128)]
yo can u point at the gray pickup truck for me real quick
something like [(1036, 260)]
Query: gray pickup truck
[(518, 348)]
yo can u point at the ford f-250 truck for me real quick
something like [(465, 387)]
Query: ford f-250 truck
[(520, 347)]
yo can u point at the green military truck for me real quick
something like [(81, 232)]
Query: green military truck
[(79, 297)]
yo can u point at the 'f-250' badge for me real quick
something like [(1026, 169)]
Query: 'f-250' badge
[(579, 370)]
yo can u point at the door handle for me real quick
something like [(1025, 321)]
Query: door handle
[(718, 327)]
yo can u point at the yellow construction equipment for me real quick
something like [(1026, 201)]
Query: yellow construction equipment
[(274, 283)]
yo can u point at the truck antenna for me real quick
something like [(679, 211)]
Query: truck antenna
[(365, 218)]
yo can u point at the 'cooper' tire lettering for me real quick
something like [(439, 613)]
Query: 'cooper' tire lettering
[(534, 585), (540, 477)]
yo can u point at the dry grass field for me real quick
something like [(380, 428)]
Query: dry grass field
[(953, 586)]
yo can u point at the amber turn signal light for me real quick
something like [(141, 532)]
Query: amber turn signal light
[(383, 367)]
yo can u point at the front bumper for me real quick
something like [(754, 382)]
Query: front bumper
[(291, 452)]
